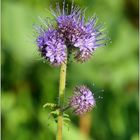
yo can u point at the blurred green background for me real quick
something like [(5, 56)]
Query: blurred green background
[(28, 82)]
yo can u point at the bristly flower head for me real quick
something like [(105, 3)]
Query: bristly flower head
[(82, 101), (52, 47), (70, 31)]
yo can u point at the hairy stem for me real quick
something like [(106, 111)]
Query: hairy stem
[(65, 108), (61, 100)]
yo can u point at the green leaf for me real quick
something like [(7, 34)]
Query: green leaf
[(52, 106)]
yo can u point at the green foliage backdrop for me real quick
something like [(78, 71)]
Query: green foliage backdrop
[(28, 82)]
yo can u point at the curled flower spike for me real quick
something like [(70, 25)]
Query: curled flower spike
[(67, 31), (85, 36), (52, 47), (82, 101)]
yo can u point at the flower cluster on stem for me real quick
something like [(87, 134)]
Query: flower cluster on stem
[(70, 32)]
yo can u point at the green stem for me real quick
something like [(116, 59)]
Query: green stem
[(65, 108), (61, 100)]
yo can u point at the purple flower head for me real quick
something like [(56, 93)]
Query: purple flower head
[(70, 30), (40, 41), (52, 47), (85, 36), (82, 101)]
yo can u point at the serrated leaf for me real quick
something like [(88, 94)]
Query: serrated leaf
[(52, 106), (56, 112), (65, 115), (67, 119)]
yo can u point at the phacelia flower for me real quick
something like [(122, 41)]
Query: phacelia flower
[(52, 47), (82, 101), (85, 36), (70, 30)]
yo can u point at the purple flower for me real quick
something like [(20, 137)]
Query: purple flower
[(82, 101), (70, 31), (52, 47), (40, 41), (86, 37)]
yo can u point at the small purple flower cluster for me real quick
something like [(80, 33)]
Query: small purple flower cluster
[(52, 47), (70, 31), (82, 101)]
